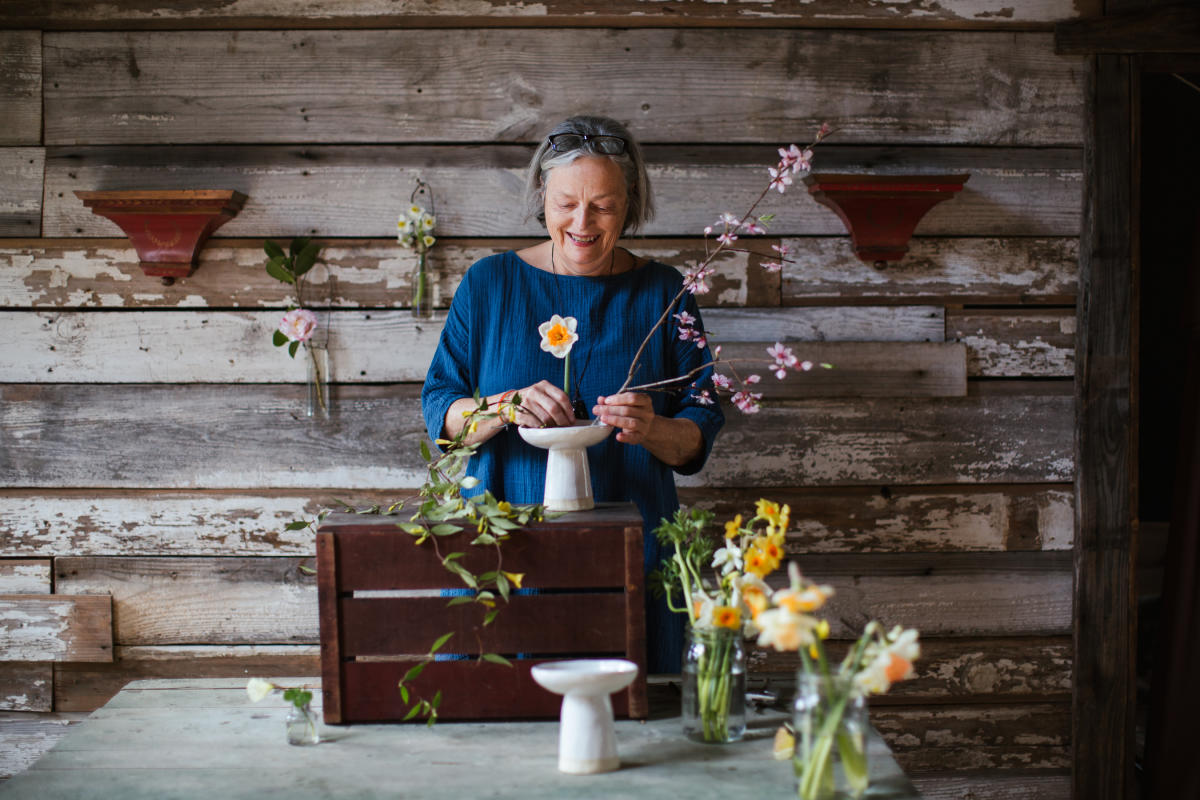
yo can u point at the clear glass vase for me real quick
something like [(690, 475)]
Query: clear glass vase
[(830, 721), (302, 725), (714, 685), (422, 302), (317, 358)]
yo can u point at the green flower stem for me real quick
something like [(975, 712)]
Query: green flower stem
[(419, 290), (567, 374), (317, 378), (814, 762), (714, 685)]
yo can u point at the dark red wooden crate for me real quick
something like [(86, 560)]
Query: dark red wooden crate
[(586, 566)]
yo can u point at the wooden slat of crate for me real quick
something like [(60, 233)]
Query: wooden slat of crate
[(379, 556), (551, 623), (56, 627), (480, 690)]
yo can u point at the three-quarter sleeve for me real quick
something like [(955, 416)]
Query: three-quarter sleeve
[(449, 377)]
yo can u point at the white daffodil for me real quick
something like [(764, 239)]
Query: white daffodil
[(728, 558), (702, 608), (257, 689), (558, 335)]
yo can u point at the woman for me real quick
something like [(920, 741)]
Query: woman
[(588, 185)]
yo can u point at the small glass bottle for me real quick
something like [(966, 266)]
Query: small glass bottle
[(317, 358), (302, 725), (714, 685), (830, 723)]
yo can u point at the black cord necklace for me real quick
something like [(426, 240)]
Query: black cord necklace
[(577, 403)]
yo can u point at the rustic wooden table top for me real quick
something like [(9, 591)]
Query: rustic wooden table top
[(205, 739)]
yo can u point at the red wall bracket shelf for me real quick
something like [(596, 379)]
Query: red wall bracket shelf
[(882, 211), (167, 228)]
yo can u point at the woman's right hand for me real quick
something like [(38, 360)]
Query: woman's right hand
[(543, 405)]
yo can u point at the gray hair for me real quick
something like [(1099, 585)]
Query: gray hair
[(639, 206)]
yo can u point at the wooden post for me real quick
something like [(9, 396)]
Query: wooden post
[(1105, 621)]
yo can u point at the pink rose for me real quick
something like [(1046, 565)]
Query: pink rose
[(298, 325)]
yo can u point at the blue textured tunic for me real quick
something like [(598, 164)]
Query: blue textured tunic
[(491, 342)]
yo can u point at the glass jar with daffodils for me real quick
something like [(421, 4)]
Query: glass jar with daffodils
[(717, 588), (827, 740), (414, 230)]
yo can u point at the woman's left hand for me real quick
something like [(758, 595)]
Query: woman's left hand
[(632, 412)]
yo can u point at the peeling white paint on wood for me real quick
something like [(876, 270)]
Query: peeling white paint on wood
[(24, 738), (23, 576), (1016, 344), (25, 686), (236, 347), (984, 270), (370, 273), (55, 627)]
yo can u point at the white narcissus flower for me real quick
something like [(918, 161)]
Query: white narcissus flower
[(558, 335), (257, 689), (298, 325), (728, 558)]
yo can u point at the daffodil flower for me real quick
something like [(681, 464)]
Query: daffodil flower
[(558, 337)]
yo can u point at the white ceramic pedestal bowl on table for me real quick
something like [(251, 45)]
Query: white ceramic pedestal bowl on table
[(568, 479), (586, 737)]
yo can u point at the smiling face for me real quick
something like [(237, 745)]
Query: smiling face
[(585, 213)]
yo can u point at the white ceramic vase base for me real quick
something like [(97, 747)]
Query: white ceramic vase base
[(568, 479), (587, 742)]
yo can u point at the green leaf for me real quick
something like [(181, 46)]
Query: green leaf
[(280, 339), (462, 573), (273, 250), (504, 524), (298, 525), (292, 348), (452, 556), (308, 256), (279, 272), (496, 658), (425, 454), (502, 586), (489, 616), (343, 504), (441, 640), (413, 672), (445, 529), (484, 538), (437, 699), (469, 482), (404, 694), (412, 712), (460, 600), (297, 245), (412, 528)]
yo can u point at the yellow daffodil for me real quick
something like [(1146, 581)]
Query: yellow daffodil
[(785, 744), (506, 507), (558, 335), (733, 527), (757, 563), (727, 617), (415, 211), (823, 629), (514, 578)]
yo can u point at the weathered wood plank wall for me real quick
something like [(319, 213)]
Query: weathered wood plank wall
[(153, 445)]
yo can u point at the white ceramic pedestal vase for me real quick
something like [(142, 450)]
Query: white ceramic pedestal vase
[(568, 479), (586, 738)]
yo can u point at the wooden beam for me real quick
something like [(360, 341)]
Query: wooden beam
[(22, 170), (20, 87), (237, 437), (165, 88), (1158, 29), (1105, 620), (413, 14), (56, 627), (352, 190)]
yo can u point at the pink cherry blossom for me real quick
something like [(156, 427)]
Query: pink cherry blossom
[(748, 402), (806, 365), (754, 228), (703, 397), (685, 319), (727, 238), (752, 379), (728, 219), (722, 382), (696, 280), (707, 229), (298, 325), (783, 356), (782, 249), (772, 266), (780, 179)]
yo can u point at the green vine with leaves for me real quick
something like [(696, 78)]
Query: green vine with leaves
[(441, 509)]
